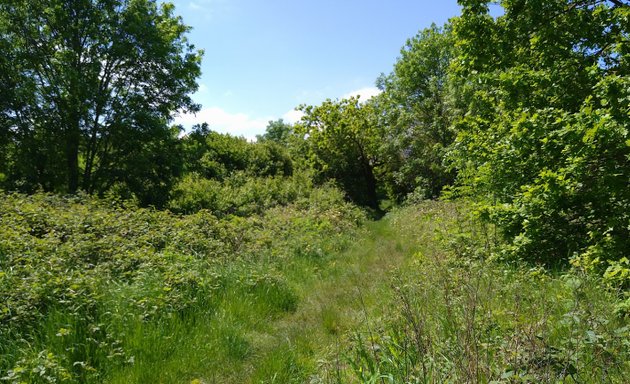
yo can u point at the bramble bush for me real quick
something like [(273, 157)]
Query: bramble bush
[(239, 194), (79, 274)]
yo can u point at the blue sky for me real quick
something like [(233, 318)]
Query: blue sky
[(264, 58)]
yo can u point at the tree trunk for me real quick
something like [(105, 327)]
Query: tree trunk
[(370, 184), (73, 137)]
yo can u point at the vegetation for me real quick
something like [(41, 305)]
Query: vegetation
[(499, 147), (341, 143), (459, 314), (545, 138), (92, 88), (417, 104), (86, 284)]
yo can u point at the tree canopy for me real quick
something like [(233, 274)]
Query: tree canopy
[(417, 113), (92, 87), (342, 143), (545, 137)]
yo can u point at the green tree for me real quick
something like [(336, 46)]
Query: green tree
[(341, 142), (214, 155), (417, 115), (545, 138), (277, 131), (93, 87)]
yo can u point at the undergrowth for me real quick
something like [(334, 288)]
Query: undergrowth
[(461, 315), (93, 290)]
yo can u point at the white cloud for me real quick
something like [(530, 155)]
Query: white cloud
[(365, 93), (293, 116), (194, 6), (236, 124), (208, 8), (242, 124)]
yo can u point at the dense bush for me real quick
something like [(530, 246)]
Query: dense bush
[(78, 275), (214, 155), (545, 139), (238, 194)]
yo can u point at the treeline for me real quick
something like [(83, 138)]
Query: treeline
[(527, 113)]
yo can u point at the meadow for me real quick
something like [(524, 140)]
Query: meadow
[(95, 291), (467, 223)]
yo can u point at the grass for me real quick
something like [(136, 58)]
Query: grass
[(461, 315), (270, 335), (420, 296)]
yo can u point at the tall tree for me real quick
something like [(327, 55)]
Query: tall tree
[(342, 143), (545, 136), (417, 115), (93, 86)]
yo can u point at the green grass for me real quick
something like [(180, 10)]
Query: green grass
[(269, 335), (420, 296), (459, 314)]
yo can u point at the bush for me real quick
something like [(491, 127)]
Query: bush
[(238, 194), (82, 279)]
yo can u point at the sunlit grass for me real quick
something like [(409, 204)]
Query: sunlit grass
[(418, 296)]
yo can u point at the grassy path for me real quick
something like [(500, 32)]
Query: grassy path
[(352, 288), (350, 291), (455, 318), (246, 338)]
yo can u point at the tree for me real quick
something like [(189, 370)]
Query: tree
[(214, 155), (545, 137), (277, 131), (93, 87), (417, 115), (342, 143)]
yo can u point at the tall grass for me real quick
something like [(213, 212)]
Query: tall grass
[(461, 315), (93, 291)]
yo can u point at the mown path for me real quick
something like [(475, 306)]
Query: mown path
[(351, 290), (247, 339)]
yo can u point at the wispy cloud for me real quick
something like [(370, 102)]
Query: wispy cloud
[(364, 94), (293, 116), (208, 8), (195, 6), (237, 124)]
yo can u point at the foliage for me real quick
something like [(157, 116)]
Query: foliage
[(341, 143), (92, 90), (417, 113), (214, 155), (529, 110), (395, 143), (545, 137), (239, 194), (277, 131), (86, 283), (460, 315)]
